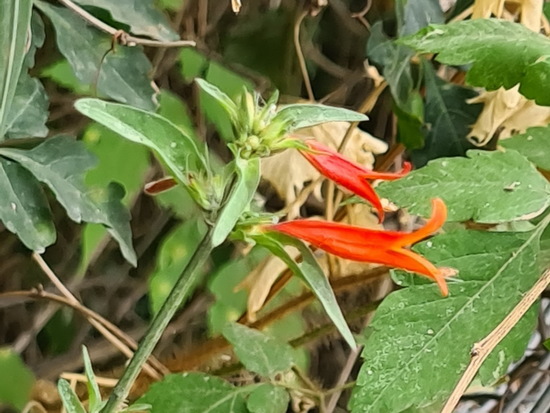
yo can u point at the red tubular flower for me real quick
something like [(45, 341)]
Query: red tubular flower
[(348, 174), (380, 247)]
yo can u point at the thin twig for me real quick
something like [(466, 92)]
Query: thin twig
[(483, 348), (110, 332), (300, 55), (123, 37)]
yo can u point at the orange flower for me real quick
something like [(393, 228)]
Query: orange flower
[(380, 247), (348, 174)]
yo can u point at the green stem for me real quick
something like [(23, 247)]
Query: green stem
[(181, 290)]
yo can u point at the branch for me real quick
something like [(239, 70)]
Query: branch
[(121, 36), (483, 348)]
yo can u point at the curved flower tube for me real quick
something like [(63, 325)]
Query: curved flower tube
[(380, 247), (349, 174)]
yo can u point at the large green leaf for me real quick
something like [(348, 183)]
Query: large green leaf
[(24, 209), (176, 149), (122, 74), (15, 17), (304, 115), (534, 144), (16, 380), (195, 393), (448, 116), (60, 163), (418, 344), (496, 61), (259, 352), (311, 274), (174, 253), (140, 15), (29, 110), (488, 187)]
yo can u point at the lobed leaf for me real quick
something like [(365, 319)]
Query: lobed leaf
[(496, 61), (24, 209), (121, 73), (419, 344), (487, 187), (60, 162)]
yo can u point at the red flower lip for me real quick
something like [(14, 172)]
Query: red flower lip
[(348, 174), (380, 247)]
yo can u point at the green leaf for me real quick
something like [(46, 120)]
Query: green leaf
[(304, 115), (174, 253), (69, 398), (24, 209), (248, 179), (534, 144), (15, 17), (488, 187), (410, 121), (194, 393), (94, 395), (221, 98), (418, 343), (547, 344), (60, 162), (29, 110), (121, 74), (141, 16), (267, 398), (496, 61), (311, 274), (176, 150), (16, 380), (448, 116), (172, 108), (259, 352), (38, 35)]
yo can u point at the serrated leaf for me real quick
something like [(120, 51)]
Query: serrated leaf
[(29, 110), (534, 144), (267, 398), (142, 17), (24, 209), (487, 187), (311, 274), (248, 179), (448, 116), (60, 162), (304, 115), (418, 343), (94, 395), (174, 253), (259, 352), (496, 61), (70, 400), (16, 380), (122, 74), (175, 149), (194, 393), (15, 17)]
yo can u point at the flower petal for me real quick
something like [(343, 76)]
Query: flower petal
[(389, 176), (343, 172)]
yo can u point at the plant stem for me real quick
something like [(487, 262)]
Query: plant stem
[(181, 290)]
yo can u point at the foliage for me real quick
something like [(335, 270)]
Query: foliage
[(97, 98)]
